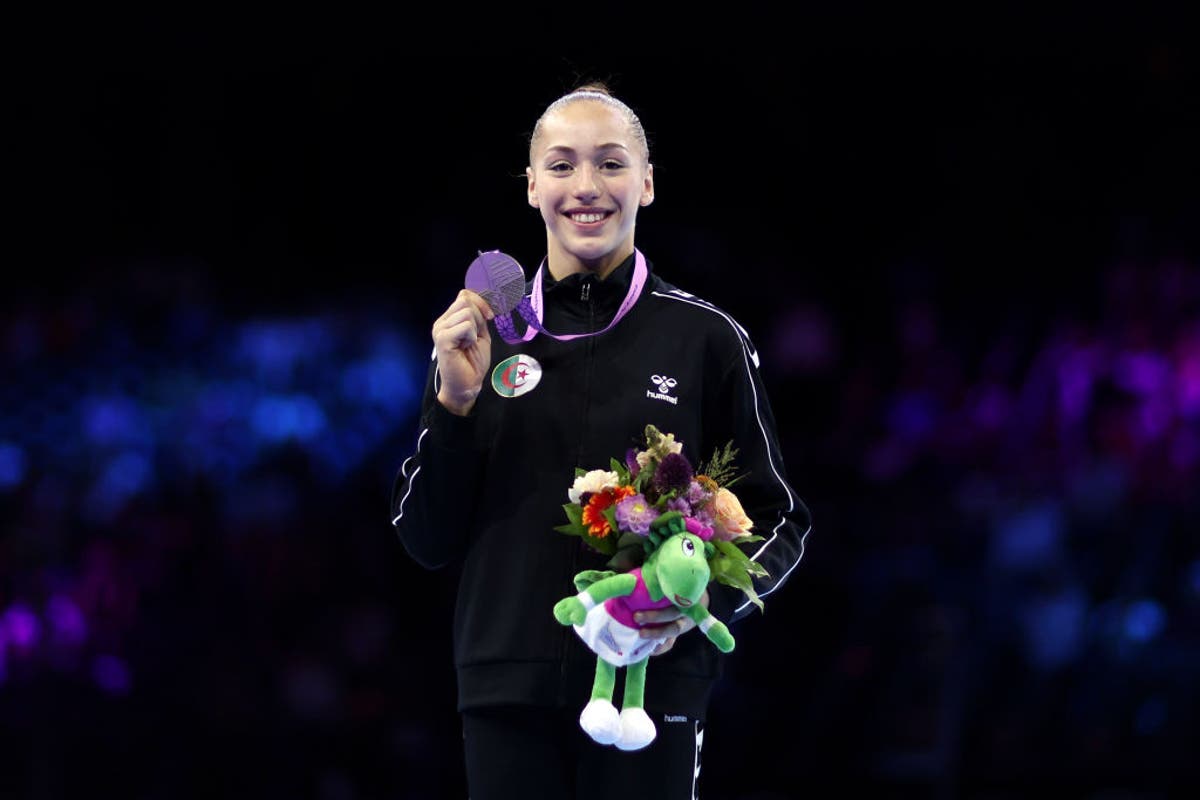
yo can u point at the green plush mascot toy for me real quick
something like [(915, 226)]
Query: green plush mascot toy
[(675, 572)]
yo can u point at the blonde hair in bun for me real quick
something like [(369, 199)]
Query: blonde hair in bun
[(596, 92)]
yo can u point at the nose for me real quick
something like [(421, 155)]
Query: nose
[(587, 182)]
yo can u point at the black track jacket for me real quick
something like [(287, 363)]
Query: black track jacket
[(483, 492)]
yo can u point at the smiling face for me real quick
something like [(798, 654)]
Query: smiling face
[(588, 176)]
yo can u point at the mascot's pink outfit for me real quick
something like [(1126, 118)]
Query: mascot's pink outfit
[(610, 630)]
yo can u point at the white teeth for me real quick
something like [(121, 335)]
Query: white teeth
[(587, 217)]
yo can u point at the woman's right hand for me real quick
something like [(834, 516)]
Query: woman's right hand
[(464, 351)]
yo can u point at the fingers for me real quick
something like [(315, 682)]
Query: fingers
[(668, 622), (463, 346), (467, 301), (659, 616), (473, 300), (656, 616), (673, 627), (664, 647), (463, 323), (459, 331)]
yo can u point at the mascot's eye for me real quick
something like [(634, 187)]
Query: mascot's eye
[(689, 548)]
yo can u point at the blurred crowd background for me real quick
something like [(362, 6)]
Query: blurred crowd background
[(971, 268)]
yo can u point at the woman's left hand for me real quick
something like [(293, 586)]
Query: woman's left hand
[(670, 622)]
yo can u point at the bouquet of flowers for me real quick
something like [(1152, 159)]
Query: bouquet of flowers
[(627, 510)]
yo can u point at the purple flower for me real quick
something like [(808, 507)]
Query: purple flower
[(696, 494), (631, 462), (681, 505), (634, 514), (674, 472)]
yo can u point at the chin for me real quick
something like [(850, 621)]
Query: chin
[(590, 255)]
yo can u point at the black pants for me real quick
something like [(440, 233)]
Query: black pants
[(526, 751)]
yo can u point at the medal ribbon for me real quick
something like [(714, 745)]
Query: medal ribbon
[(532, 308)]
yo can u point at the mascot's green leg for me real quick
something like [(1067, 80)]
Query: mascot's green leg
[(637, 730), (635, 684), (606, 680), (600, 718)]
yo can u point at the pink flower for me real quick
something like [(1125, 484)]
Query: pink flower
[(729, 520)]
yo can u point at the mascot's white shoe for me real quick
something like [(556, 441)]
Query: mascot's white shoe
[(601, 721), (637, 729)]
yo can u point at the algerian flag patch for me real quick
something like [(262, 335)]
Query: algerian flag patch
[(516, 375)]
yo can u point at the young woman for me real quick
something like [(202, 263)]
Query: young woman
[(505, 425)]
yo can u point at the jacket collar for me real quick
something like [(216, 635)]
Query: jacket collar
[(611, 289)]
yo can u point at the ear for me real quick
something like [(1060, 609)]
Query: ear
[(648, 187), (531, 188)]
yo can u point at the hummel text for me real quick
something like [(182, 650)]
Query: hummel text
[(655, 395)]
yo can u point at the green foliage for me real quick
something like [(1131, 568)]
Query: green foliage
[(629, 539), (574, 514), (610, 514), (720, 466), (732, 567), (642, 480), (606, 545), (631, 552), (621, 470), (575, 527)]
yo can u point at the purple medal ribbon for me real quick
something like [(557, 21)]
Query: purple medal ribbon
[(499, 279)]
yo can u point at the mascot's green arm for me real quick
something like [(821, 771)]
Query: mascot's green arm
[(716, 631), (572, 611)]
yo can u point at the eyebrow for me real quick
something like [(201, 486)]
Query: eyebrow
[(606, 146)]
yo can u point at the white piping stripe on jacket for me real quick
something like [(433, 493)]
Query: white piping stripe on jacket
[(404, 467), (747, 354), (404, 472)]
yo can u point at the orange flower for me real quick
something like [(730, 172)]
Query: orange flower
[(597, 523), (593, 512), (729, 520)]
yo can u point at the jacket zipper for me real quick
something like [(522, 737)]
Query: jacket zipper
[(585, 295)]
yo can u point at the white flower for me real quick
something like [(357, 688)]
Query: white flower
[(595, 481), (659, 450)]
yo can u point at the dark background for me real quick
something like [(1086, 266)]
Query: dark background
[(966, 249)]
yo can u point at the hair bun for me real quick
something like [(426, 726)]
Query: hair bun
[(596, 87)]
